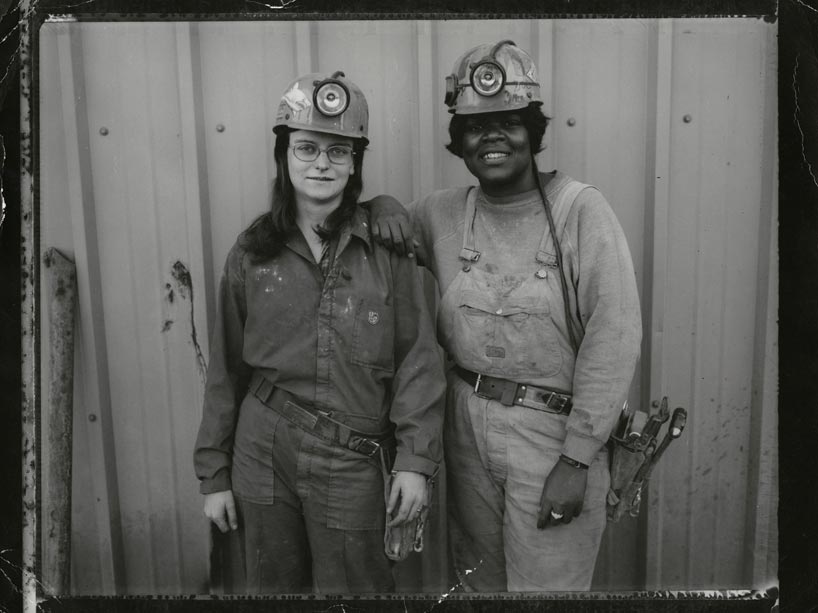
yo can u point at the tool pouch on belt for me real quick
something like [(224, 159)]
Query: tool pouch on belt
[(400, 541), (634, 451), (624, 495)]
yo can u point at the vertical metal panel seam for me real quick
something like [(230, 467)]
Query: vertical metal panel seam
[(534, 41), (552, 94), (542, 35), (133, 272), (694, 425), (189, 62), (657, 203), (723, 314), (179, 567), (386, 152), (235, 119), (424, 169), (761, 415), (272, 109), (583, 119), (414, 159), (437, 177), (197, 207), (314, 46), (83, 207), (303, 48)]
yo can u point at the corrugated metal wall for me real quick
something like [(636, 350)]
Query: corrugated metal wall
[(156, 150)]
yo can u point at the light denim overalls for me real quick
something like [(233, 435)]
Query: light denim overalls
[(513, 327)]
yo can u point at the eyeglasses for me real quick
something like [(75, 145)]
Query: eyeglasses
[(309, 152)]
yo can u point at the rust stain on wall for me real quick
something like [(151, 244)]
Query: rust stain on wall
[(184, 287)]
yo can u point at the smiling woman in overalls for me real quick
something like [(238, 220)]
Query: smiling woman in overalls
[(540, 317), (325, 385)]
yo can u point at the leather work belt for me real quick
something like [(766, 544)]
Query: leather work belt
[(317, 422), (510, 393)]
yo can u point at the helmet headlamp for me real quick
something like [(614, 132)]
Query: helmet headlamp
[(324, 102), (488, 78), (492, 77), (331, 97)]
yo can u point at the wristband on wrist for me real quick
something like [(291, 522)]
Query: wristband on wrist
[(573, 462)]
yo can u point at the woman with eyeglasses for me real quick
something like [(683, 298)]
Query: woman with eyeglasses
[(540, 316), (323, 404)]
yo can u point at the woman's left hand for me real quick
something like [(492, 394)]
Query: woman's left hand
[(391, 225), (562, 495), (410, 489)]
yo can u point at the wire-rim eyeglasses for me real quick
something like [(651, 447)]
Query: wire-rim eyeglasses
[(336, 154)]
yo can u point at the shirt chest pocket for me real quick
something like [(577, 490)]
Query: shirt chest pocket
[(373, 335), (512, 335)]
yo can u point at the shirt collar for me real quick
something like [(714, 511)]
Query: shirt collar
[(298, 243), (358, 227)]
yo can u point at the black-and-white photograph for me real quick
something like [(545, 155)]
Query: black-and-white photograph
[(449, 307)]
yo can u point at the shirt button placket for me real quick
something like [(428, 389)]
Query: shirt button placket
[(324, 361)]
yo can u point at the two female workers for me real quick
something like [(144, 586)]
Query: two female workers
[(328, 405)]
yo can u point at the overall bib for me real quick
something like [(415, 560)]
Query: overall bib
[(498, 456)]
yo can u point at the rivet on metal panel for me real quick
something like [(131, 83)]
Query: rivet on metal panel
[(220, 127), (92, 417), (687, 118), (571, 121), (104, 131)]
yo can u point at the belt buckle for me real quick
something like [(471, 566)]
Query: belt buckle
[(561, 400), (368, 447)]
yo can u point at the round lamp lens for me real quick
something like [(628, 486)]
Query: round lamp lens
[(332, 99), (488, 79)]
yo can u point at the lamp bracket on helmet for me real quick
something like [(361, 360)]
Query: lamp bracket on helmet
[(331, 96)]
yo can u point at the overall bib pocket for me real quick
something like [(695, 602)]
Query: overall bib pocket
[(513, 336)]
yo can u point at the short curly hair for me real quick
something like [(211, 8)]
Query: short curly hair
[(534, 121)]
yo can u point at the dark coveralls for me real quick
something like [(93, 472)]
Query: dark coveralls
[(350, 336)]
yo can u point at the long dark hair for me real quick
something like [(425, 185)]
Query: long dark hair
[(533, 120), (265, 237)]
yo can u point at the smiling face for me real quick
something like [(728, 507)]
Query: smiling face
[(319, 181), (497, 151)]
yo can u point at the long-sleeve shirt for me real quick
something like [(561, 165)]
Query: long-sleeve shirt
[(602, 290), (358, 343)]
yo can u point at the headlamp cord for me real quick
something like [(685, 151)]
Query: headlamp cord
[(563, 282)]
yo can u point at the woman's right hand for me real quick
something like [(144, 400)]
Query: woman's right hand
[(391, 225), (220, 508)]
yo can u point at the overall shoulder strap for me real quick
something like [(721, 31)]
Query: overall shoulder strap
[(468, 253)]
